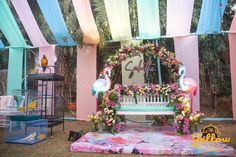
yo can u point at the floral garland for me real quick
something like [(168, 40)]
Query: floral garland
[(145, 89), (167, 58), (108, 120)]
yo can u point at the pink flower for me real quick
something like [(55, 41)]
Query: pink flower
[(117, 127), (179, 106), (111, 104), (118, 88), (173, 86), (179, 117)]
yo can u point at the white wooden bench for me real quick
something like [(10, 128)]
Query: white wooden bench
[(146, 105)]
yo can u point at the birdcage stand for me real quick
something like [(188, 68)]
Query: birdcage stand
[(52, 107)]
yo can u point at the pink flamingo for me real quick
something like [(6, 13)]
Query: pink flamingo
[(102, 85), (187, 84)]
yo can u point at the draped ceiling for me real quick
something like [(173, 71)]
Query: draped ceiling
[(178, 24)]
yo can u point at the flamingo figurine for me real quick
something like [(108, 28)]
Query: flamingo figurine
[(187, 84), (102, 85)]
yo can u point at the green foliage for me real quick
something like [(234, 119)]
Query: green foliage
[(100, 15), (214, 64), (133, 17)]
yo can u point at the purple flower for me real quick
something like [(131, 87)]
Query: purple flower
[(118, 88), (111, 104), (186, 125), (174, 87), (135, 88), (117, 127), (179, 106)]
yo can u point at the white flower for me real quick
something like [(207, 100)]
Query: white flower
[(106, 110)]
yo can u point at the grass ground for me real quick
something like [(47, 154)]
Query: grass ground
[(59, 146)]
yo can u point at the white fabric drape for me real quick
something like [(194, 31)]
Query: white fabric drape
[(118, 18)]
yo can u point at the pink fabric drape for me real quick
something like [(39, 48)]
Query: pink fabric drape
[(86, 75), (232, 49), (179, 16), (186, 49), (49, 51), (31, 27), (233, 25), (86, 21)]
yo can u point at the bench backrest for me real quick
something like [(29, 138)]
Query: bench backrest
[(141, 99)]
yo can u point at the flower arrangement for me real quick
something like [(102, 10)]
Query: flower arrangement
[(195, 120), (96, 121), (107, 118), (144, 89), (185, 120), (167, 58), (182, 112)]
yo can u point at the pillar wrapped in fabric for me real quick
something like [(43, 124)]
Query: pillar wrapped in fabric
[(86, 75), (232, 46), (211, 16), (86, 21), (49, 52), (186, 49), (12, 33), (233, 25), (118, 18), (15, 66), (179, 16), (232, 49), (148, 19)]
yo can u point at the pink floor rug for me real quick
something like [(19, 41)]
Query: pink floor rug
[(136, 139)]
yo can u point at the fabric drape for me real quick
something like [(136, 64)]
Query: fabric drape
[(186, 49), (118, 18), (232, 50), (232, 47), (49, 51), (211, 15), (53, 15), (13, 34), (179, 16), (15, 66), (86, 75), (9, 26), (86, 21), (148, 19), (1, 44), (31, 27), (233, 25)]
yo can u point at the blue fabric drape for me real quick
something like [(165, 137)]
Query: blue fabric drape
[(53, 15), (14, 36), (212, 12), (1, 44), (15, 66), (148, 19), (9, 26)]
